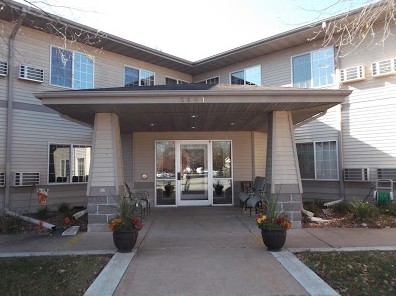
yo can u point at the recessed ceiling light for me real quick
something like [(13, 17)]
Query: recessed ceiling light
[(193, 116), (151, 124), (232, 123)]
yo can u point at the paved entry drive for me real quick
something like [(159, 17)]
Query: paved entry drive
[(204, 251)]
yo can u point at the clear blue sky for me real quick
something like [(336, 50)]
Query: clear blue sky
[(194, 30)]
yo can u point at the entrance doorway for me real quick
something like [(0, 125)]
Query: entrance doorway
[(193, 173)]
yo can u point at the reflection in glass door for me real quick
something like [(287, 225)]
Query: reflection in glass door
[(193, 173)]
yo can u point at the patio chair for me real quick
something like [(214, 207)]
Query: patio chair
[(141, 200), (252, 197)]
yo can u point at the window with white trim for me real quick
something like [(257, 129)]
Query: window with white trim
[(138, 77), (68, 163), (248, 76), (171, 81), (314, 69), (213, 80), (71, 69), (318, 160)]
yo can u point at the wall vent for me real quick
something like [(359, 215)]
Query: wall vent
[(30, 73), (3, 68), (383, 68), (356, 175), (352, 74), (2, 179), (25, 179), (386, 174)]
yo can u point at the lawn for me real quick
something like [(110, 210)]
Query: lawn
[(355, 273), (57, 275)]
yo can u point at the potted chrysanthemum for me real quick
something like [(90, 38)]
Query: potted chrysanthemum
[(125, 225), (273, 224)]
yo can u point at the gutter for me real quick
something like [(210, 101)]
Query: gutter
[(10, 92)]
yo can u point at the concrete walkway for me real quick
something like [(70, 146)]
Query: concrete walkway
[(204, 251)]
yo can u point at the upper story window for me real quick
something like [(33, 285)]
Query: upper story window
[(138, 77), (169, 80), (314, 69), (248, 76), (213, 80), (318, 160), (71, 69)]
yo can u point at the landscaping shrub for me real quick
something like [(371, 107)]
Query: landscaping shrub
[(65, 209), (42, 213), (342, 208), (364, 211), (9, 225), (388, 209), (315, 207)]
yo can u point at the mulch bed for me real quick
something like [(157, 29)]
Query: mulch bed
[(56, 218), (337, 221)]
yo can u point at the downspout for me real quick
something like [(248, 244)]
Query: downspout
[(10, 91), (340, 133)]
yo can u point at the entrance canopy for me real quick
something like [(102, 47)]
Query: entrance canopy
[(192, 107)]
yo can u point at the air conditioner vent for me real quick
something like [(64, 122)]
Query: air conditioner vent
[(383, 68), (2, 179), (3, 68), (386, 174), (25, 179), (352, 74), (356, 175), (30, 73)]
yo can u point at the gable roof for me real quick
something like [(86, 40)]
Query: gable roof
[(40, 20)]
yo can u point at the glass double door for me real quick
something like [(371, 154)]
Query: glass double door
[(192, 173)]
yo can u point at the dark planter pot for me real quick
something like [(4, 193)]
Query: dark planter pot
[(274, 240), (125, 240)]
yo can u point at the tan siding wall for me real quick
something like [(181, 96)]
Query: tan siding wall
[(103, 167), (33, 130), (31, 138), (275, 67), (260, 153), (24, 199), (324, 128), (33, 49), (369, 133), (126, 140), (3, 120), (284, 172), (143, 151)]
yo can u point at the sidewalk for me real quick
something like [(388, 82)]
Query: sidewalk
[(204, 251)]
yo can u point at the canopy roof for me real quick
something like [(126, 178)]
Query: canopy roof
[(192, 107)]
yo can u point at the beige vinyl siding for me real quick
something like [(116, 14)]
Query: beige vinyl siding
[(368, 117), (285, 170), (320, 190), (325, 128), (143, 151), (126, 140), (33, 48), (369, 133), (24, 199), (34, 131), (260, 153), (3, 121), (103, 165), (275, 67)]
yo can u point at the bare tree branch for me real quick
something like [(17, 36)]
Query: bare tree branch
[(357, 26)]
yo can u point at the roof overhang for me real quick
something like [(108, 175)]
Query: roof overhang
[(215, 108), (49, 23)]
